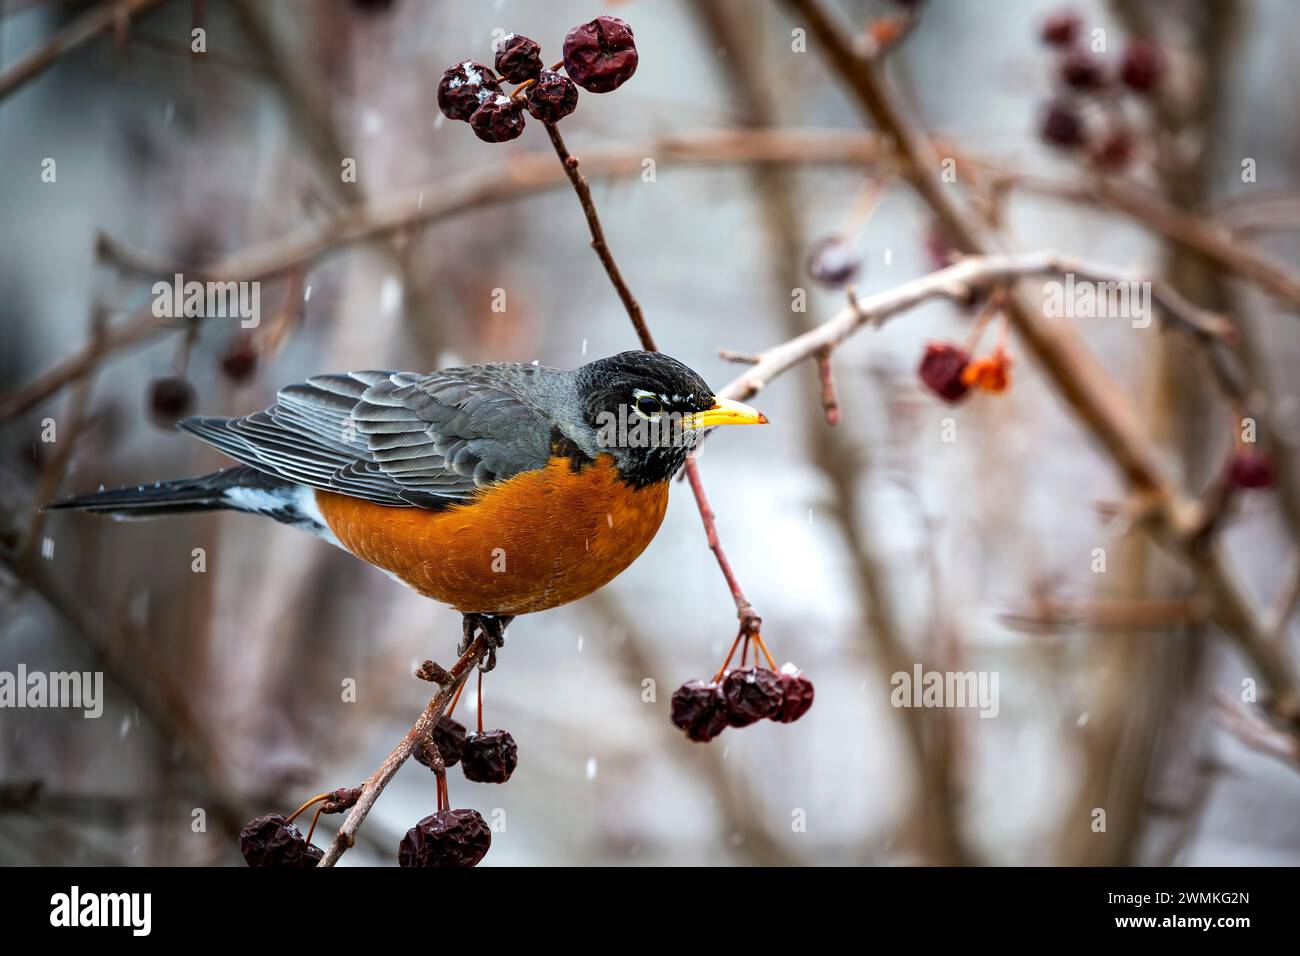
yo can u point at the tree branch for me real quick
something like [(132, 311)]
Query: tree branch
[(109, 13), (374, 784)]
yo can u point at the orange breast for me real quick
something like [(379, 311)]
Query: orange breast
[(536, 541)]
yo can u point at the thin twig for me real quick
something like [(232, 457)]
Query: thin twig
[(749, 619), (580, 186), (109, 13), (954, 282), (374, 784), (830, 403)]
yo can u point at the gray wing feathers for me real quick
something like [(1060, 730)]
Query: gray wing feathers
[(395, 438)]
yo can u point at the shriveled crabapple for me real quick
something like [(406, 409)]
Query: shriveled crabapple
[(600, 56), (489, 757), (751, 693), (498, 120), (699, 710), (170, 399), (1062, 125), (941, 370), (1080, 70), (1114, 151), (447, 839), (796, 695), (464, 88), (519, 58), (1142, 67), (834, 262), (1061, 28), (239, 361), (553, 97), (1251, 469), (271, 840)]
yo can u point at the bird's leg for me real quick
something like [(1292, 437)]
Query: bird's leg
[(493, 627)]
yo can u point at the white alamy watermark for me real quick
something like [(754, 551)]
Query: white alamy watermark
[(1087, 299), (922, 688), (72, 689), (75, 908), (631, 428), (208, 300)]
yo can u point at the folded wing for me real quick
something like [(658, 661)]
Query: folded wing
[(395, 438)]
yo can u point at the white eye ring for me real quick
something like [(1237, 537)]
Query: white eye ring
[(639, 395)]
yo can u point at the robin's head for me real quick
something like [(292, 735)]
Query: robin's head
[(649, 410)]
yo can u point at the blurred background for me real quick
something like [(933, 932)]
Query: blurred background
[(860, 544)]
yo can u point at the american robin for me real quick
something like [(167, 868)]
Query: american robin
[(498, 489)]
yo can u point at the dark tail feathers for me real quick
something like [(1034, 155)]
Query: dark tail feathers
[(175, 496)]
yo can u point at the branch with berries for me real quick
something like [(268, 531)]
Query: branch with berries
[(601, 56), (1081, 381)]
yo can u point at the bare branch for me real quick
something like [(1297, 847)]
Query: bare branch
[(109, 13)]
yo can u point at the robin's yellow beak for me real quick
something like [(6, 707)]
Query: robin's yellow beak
[(724, 412)]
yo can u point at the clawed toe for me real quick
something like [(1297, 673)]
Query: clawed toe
[(493, 627)]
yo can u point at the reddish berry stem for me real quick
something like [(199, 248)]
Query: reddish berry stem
[(749, 619), (480, 702)]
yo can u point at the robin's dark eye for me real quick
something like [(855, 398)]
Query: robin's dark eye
[(648, 405)]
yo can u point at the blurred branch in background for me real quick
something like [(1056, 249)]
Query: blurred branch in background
[(105, 15), (1095, 398)]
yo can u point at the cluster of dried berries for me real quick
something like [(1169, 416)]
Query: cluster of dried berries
[(484, 756), (599, 56), (740, 697), (1085, 83), (448, 838)]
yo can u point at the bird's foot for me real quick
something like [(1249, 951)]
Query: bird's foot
[(493, 627)]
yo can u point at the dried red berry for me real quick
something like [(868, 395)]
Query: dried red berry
[(1062, 125), (240, 359), (699, 709), (449, 737), (499, 119), (1081, 70), (553, 97), (1142, 67), (796, 695), (941, 370), (600, 56), (449, 839), (464, 88), (489, 757), (752, 693), (1251, 469), (1061, 28), (519, 59), (170, 399), (1115, 150), (373, 6), (834, 262), (272, 840)]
